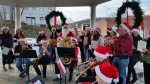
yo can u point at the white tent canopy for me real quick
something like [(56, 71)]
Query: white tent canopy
[(52, 3)]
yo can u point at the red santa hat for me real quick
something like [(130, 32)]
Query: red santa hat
[(135, 30), (101, 51), (126, 26), (109, 29), (107, 72), (98, 30), (73, 38), (21, 38), (43, 40), (41, 31), (114, 30), (5, 27), (109, 50)]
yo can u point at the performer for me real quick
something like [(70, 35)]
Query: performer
[(40, 36), (66, 34), (18, 49), (17, 35), (113, 36), (136, 56), (53, 34), (96, 40), (122, 49), (76, 32), (7, 42), (101, 57), (44, 57), (106, 74)]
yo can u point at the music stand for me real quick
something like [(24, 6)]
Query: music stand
[(66, 53), (28, 54)]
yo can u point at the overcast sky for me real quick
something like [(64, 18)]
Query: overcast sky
[(103, 10)]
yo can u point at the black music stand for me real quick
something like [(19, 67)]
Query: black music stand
[(28, 54), (66, 53)]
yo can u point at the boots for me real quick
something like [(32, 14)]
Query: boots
[(70, 78), (128, 80), (134, 78)]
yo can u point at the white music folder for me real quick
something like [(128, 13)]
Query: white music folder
[(141, 45)]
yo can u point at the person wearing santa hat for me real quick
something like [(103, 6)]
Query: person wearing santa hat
[(7, 43), (44, 57), (96, 39), (65, 32), (106, 74), (108, 33), (53, 35), (18, 50), (40, 36), (76, 32), (136, 56), (122, 49), (113, 36), (17, 34), (101, 56)]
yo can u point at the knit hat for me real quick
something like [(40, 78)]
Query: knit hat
[(41, 31), (21, 38), (44, 40), (135, 30), (126, 26), (101, 51), (107, 72), (5, 27)]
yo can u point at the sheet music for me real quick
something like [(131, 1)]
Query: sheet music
[(38, 82), (141, 44)]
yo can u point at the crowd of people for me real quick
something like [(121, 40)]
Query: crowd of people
[(112, 53)]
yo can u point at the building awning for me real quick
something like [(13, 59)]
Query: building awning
[(50, 3)]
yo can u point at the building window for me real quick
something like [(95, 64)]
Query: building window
[(41, 8), (41, 20), (30, 20), (26, 8), (33, 8)]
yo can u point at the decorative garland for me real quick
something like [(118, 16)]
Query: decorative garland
[(137, 11), (52, 14)]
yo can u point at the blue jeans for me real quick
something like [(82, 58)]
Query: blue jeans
[(86, 54), (121, 65), (19, 65)]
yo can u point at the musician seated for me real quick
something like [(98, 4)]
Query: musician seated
[(101, 57), (18, 49), (44, 57), (106, 74)]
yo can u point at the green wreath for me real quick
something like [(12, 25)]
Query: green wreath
[(137, 11), (52, 14)]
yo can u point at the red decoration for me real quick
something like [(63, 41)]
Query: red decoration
[(127, 16), (142, 25), (55, 20)]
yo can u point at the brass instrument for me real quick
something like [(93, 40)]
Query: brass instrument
[(83, 72), (65, 43), (94, 82)]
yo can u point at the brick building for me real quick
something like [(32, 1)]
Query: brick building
[(110, 22)]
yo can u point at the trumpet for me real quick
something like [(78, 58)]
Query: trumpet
[(84, 69)]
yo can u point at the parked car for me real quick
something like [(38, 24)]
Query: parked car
[(31, 41)]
